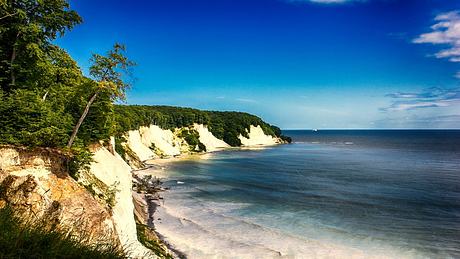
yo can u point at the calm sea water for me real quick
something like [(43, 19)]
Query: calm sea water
[(342, 194)]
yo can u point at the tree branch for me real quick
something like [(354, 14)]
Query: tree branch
[(8, 15)]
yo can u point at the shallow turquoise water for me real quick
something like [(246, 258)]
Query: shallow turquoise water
[(391, 193)]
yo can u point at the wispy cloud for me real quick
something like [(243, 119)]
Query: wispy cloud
[(246, 100), (431, 97), (415, 121), (445, 31)]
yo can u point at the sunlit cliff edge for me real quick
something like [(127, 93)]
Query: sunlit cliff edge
[(98, 204)]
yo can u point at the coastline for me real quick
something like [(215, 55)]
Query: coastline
[(147, 206), (158, 213), (193, 229), (150, 150), (159, 169)]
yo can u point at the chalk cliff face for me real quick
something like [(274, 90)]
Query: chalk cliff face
[(257, 137), (112, 170), (36, 184), (164, 140), (135, 143), (208, 139), (153, 142), (100, 205)]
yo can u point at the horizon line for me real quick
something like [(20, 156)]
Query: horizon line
[(371, 129)]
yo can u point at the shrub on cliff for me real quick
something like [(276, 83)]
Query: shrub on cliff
[(192, 137), (22, 239)]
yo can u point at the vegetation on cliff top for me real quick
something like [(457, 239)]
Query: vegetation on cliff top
[(21, 239), (43, 93), (46, 101), (224, 125)]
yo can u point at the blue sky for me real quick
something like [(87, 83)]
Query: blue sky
[(295, 63)]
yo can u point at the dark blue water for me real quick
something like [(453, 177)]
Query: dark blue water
[(393, 193)]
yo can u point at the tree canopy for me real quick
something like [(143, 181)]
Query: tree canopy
[(108, 72), (224, 125), (44, 94), (27, 29)]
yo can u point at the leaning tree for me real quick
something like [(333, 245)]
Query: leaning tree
[(109, 72)]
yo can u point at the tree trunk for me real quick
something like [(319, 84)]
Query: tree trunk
[(80, 121), (13, 58), (44, 96)]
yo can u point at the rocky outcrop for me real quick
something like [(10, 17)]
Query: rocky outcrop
[(153, 142), (99, 206), (135, 143), (257, 137), (208, 139), (35, 183), (112, 170)]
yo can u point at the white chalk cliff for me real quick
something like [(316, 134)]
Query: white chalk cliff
[(147, 142), (208, 139), (257, 137), (37, 185), (47, 178), (112, 170), (134, 142), (164, 140)]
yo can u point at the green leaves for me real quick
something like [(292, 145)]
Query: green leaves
[(111, 71), (224, 125), (28, 120), (43, 92), (107, 72), (26, 30)]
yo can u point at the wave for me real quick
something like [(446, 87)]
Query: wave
[(208, 229)]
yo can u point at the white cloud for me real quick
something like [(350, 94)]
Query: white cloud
[(246, 100), (416, 105), (451, 121), (445, 31), (429, 98)]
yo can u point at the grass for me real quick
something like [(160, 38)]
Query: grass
[(32, 239), (149, 239)]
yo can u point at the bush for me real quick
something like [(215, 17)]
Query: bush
[(150, 240), (28, 120), (19, 239), (192, 137)]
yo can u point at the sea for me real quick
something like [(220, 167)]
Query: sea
[(329, 194)]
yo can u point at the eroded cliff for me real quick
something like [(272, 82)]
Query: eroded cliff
[(98, 206)]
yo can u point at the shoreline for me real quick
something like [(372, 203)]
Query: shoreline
[(157, 168), (183, 231), (145, 207)]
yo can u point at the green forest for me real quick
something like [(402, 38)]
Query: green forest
[(224, 125), (47, 101)]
